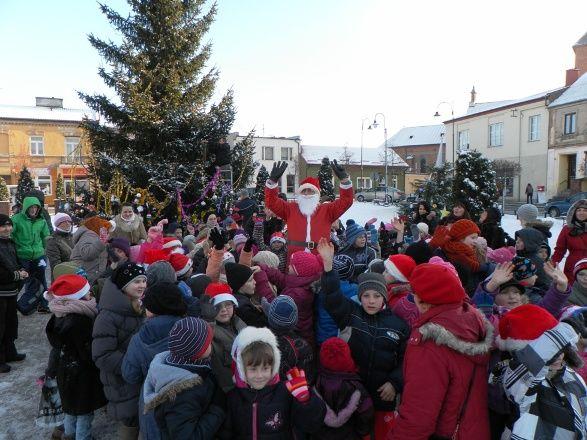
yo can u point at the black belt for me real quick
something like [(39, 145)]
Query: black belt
[(307, 244)]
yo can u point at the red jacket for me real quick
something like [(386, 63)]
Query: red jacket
[(577, 247), (447, 345), (320, 221)]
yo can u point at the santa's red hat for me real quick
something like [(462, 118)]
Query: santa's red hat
[(277, 236), (400, 267), (154, 255), (181, 264), (219, 293), (522, 325), (170, 243), (68, 287), (309, 183)]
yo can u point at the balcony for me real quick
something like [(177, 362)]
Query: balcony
[(73, 159)]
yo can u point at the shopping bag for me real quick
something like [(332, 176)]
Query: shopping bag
[(50, 412)]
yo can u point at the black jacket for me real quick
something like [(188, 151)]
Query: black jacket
[(494, 234), (295, 352), (532, 239), (10, 283), (248, 312), (377, 342)]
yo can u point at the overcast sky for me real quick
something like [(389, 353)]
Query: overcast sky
[(316, 68)]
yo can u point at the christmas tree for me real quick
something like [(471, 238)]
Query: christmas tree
[(242, 163), (438, 188), (474, 182), (60, 188), (4, 193), (325, 179), (162, 133), (262, 177), (25, 184)]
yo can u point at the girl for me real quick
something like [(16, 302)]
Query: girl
[(573, 238), (58, 246), (579, 290)]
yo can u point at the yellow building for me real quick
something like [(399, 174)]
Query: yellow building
[(45, 138)]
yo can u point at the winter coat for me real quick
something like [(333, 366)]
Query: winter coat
[(224, 336), (494, 234), (78, 378), (445, 372), (10, 283), (336, 389), (320, 220), (133, 231), (541, 225), (532, 239), (58, 247), (150, 340), (326, 327), (271, 414), (361, 257), (572, 240), (89, 253), (114, 327), (182, 400), (40, 196), (295, 352), (377, 342), (246, 207), (29, 234), (250, 313)]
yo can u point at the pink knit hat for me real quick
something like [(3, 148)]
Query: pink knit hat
[(440, 262), (501, 255), (305, 263)]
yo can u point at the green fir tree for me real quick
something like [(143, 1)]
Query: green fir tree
[(474, 182), (242, 163), (262, 177), (438, 188), (4, 193), (325, 179), (25, 184), (60, 188)]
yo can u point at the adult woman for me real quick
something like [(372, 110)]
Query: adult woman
[(89, 247), (489, 224), (459, 212), (130, 226), (572, 238), (425, 214)]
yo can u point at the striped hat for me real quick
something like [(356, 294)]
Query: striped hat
[(282, 313), (188, 340), (219, 293)]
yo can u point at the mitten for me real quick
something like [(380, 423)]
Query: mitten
[(297, 385)]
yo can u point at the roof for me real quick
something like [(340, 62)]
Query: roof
[(575, 93), (582, 41), (43, 113), (422, 135), (313, 155)]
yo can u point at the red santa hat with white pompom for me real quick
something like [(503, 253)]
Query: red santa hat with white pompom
[(309, 183)]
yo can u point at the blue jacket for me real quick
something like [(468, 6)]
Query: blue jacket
[(149, 341), (326, 327)]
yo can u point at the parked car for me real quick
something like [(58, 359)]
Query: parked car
[(560, 207), (370, 194)]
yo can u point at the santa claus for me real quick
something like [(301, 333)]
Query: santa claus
[(307, 219)]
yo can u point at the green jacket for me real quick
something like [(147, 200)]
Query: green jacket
[(29, 234)]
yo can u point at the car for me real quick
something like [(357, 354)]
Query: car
[(560, 207), (371, 194)]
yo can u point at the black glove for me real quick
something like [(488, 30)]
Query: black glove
[(277, 171), (249, 244), (217, 238), (338, 170)]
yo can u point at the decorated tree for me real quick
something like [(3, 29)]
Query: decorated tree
[(262, 177), (474, 181), (325, 179), (162, 133), (60, 188), (4, 193), (438, 188), (25, 184), (242, 162)]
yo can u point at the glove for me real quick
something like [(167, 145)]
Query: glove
[(277, 171), (249, 244), (297, 385), (338, 170), (217, 238)]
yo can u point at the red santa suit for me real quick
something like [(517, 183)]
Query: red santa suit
[(304, 232)]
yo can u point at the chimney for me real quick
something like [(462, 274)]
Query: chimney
[(571, 76), (473, 96)]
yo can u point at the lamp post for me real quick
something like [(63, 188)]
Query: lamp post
[(452, 115), (362, 132), (373, 126)]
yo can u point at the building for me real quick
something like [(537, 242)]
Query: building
[(366, 170), (46, 139), (418, 146), (567, 153)]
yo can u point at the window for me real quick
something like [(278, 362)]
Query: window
[(463, 140), (364, 183), (72, 152), (37, 146), (423, 165), (496, 134), (44, 184), (290, 182), (79, 185), (286, 153), (534, 128), (570, 123), (267, 153)]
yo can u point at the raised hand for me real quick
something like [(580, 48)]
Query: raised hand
[(559, 279), (398, 224), (326, 252), (297, 385), (249, 244), (217, 238), (277, 171), (502, 274), (339, 170)]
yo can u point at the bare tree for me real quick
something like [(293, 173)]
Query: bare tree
[(346, 155)]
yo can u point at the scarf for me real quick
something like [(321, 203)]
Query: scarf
[(61, 307), (461, 253), (578, 228), (578, 295)]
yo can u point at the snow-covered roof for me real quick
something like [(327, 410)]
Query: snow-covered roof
[(43, 113), (575, 93), (412, 136), (582, 41), (371, 156), (488, 106)]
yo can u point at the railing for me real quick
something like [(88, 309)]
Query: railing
[(73, 159)]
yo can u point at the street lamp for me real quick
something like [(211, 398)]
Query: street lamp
[(373, 126), (452, 114), (362, 132)]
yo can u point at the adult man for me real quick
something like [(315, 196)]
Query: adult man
[(307, 219), (246, 207)]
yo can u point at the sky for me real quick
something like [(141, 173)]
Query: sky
[(319, 69)]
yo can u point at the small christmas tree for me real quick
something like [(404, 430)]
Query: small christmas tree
[(25, 184), (242, 163), (262, 177), (4, 193), (325, 179), (474, 182), (60, 188), (438, 188)]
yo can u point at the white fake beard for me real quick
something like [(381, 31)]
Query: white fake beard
[(308, 204)]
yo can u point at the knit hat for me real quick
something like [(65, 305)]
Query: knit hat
[(521, 325), (335, 355), (160, 272), (246, 337), (579, 266), (376, 265), (523, 268), (420, 251), (68, 268), (126, 273), (59, 218), (181, 264), (154, 255), (282, 313), (219, 293), (171, 243), (277, 236), (372, 281), (122, 244), (436, 284), (309, 183), (164, 299), (501, 255), (353, 231), (237, 275), (511, 283), (440, 262), (305, 263), (239, 239), (5, 220), (68, 287), (198, 284), (546, 246), (188, 340), (400, 267), (423, 228), (266, 257), (227, 257), (344, 265), (95, 223), (527, 212), (462, 228)]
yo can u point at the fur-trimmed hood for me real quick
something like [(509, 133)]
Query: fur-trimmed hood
[(164, 382), (125, 226), (543, 226), (572, 209), (246, 337)]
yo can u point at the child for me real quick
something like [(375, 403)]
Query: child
[(59, 244), (398, 269), (349, 408), (183, 271), (528, 242), (180, 387), (261, 406), (242, 282), (356, 248), (70, 331), (579, 290)]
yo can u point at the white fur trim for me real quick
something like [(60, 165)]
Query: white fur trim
[(76, 295), (346, 185), (270, 184), (222, 297), (307, 186), (185, 269), (510, 344), (308, 228), (442, 336), (177, 250), (172, 244), (247, 336), (394, 271), (280, 239)]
